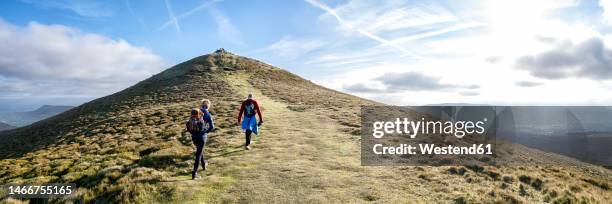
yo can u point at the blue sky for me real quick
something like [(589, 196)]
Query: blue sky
[(398, 52)]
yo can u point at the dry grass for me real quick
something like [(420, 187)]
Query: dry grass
[(130, 148)]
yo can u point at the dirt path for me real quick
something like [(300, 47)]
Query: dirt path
[(295, 160), (299, 157)]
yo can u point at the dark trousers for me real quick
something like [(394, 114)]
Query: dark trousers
[(248, 137), (199, 142)]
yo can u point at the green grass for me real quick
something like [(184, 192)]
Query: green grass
[(131, 148)]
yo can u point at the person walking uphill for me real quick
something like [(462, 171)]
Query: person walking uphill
[(248, 109), (206, 116), (199, 125)]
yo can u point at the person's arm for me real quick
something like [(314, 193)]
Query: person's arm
[(258, 111), (210, 121), (240, 112), (187, 127), (201, 126)]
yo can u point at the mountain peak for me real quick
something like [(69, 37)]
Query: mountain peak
[(220, 51), (220, 60)]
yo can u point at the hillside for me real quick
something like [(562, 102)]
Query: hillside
[(4, 126), (130, 147), (29, 117), (51, 109)]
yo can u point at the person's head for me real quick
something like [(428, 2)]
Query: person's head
[(250, 96), (196, 113), (205, 103)]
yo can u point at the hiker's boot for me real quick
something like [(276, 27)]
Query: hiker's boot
[(194, 176), (247, 147)]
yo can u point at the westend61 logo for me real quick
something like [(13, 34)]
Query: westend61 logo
[(393, 135)]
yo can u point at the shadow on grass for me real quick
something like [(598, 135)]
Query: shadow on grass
[(162, 161), (226, 153)]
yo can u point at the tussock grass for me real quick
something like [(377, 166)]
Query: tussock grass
[(130, 147)]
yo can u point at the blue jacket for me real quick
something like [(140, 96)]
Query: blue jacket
[(209, 119)]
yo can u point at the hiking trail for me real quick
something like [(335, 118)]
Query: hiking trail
[(298, 157)]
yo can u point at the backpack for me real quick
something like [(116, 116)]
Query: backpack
[(193, 125), (249, 109)]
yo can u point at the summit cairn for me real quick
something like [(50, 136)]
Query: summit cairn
[(220, 51)]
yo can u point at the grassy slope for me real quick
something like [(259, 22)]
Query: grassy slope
[(308, 152), (314, 160)]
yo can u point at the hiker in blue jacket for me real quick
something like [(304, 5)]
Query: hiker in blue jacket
[(199, 125), (206, 116), (249, 108)]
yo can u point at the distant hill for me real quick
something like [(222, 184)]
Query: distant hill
[(582, 132), (28, 117), (131, 147), (4, 126), (457, 104)]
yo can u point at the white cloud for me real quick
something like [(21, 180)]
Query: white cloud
[(498, 85), (606, 5), (588, 59), (39, 58), (528, 84), (408, 81), (461, 45), (289, 48)]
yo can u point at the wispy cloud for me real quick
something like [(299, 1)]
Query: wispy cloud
[(361, 31), (424, 35), (381, 17), (87, 8), (173, 18), (289, 48), (188, 13), (352, 60), (128, 5), (226, 30)]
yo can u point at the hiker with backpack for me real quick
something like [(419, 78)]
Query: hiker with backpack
[(248, 109), (200, 123)]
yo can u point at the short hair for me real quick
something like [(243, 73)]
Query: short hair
[(196, 112), (207, 102), (250, 95)]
